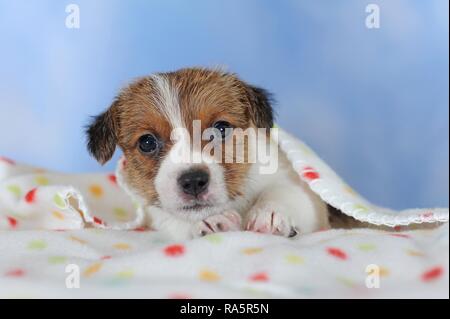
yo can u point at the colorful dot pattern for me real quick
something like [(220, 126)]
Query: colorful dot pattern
[(32, 198), (239, 264), (150, 265)]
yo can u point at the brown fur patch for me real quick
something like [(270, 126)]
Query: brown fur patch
[(203, 94)]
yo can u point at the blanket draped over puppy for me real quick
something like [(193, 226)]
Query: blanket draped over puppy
[(93, 211)]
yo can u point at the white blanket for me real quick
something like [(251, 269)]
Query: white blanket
[(141, 264), (43, 215)]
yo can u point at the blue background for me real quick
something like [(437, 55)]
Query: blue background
[(373, 103)]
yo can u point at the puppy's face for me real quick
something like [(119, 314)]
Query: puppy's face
[(147, 120)]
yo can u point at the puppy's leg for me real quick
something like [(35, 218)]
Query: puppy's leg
[(287, 209), (227, 221), (181, 229), (173, 227)]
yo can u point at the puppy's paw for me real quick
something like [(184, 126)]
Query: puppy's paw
[(227, 221), (270, 220)]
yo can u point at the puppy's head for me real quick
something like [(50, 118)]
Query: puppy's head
[(146, 119)]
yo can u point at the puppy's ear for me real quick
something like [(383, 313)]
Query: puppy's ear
[(102, 134), (261, 111)]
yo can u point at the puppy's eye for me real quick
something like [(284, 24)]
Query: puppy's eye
[(224, 128), (148, 144)]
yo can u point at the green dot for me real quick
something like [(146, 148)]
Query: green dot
[(59, 201), (366, 247), (346, 282), (136, 205), (37, 245), (57, 259), (214, 238), (294, 259), (126, 274), (360, 207), (14, 189)]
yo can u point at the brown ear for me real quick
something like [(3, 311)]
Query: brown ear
[(260, 110), (102, 134)]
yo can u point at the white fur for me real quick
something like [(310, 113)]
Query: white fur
[(167, 101), (275, 203), (272, 203)]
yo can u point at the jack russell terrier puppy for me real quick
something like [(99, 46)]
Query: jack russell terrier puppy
[(155, 120)]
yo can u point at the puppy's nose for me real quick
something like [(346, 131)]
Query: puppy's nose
[(194, 182)]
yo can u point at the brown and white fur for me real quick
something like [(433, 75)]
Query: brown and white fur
[(238, 196)]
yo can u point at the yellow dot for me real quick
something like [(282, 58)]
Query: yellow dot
[(306, 150), (349, 190), (78, 240), (208, 275), (58, 215), (92, 269), (294, 259), (414, 253), (122, 246), (41, 180), (121, 214), (252, 250), (96, 191)]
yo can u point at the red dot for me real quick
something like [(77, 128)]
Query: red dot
[(140, 229), (432, 274), (310, 173), (12, 221), (179, 296), (7, 160), (15, 273), (105, 257), (30, 197), (98, 221), (261, 276), (112, 178), (400, 235), (338, 253), (174, 250)]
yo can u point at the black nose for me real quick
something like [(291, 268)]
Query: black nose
[(193, 182)]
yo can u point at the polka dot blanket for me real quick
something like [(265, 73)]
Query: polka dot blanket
[(80, 235)]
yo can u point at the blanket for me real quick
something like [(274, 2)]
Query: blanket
[(88, 221), (358, 263)]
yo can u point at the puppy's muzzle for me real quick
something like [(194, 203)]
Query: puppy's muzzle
[(194, 182)]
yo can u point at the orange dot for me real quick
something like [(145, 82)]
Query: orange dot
[(208, 275), (96, 190), (122, 246), (58, 215), (384, 272), (252, 250), (92, 269), (78, 240)]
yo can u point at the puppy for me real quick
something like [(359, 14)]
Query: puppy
[(186, 191)]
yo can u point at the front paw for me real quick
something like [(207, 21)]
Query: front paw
[(227, 221), (270, 220)]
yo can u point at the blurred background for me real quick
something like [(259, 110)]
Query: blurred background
[(374, 103)]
